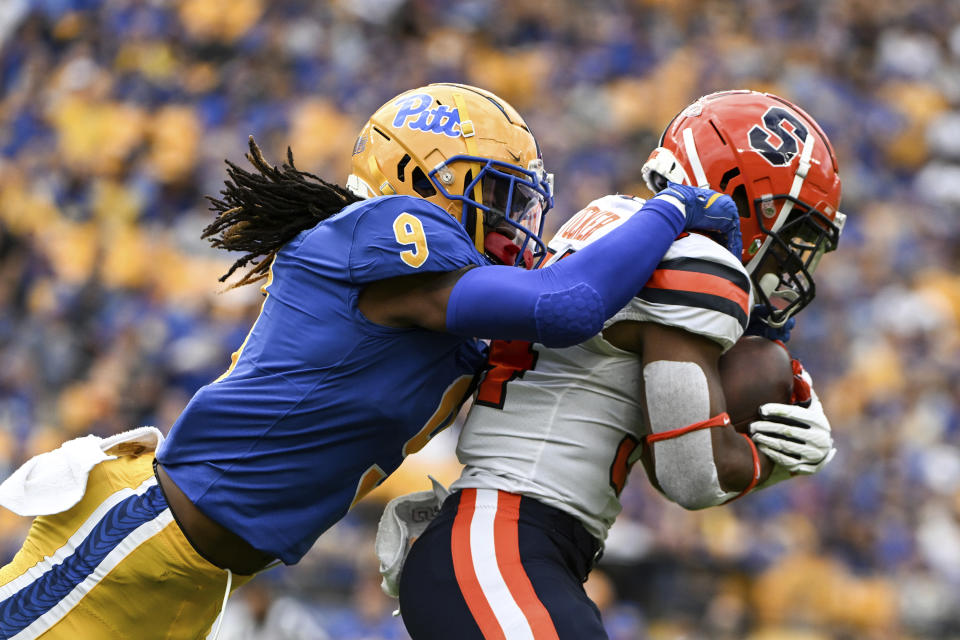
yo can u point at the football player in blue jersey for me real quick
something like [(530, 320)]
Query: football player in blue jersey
[(365, 347)]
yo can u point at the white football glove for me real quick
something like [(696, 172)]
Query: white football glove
[(404, 519), (795, 436)]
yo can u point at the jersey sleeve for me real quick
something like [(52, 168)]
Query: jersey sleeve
[(698, 287), (591, 223), (402, 235), (387, 237)]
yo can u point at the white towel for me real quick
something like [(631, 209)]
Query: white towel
[(53, 482)]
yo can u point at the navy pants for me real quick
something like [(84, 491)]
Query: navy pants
[(495, 565)]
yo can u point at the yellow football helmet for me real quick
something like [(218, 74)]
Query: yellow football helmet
[(470, 153)]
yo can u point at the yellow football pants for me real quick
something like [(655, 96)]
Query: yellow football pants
[(115, 565)]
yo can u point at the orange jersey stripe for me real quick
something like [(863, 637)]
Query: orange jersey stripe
[(506, 542), (463, 568), (700, 283)]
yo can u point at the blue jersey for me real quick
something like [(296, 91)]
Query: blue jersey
[(320, 404)]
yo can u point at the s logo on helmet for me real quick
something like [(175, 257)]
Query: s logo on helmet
[(779, 125), (441, 119)]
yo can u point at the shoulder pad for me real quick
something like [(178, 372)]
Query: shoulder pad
[(594, 221), (698, 286), (385, 237)]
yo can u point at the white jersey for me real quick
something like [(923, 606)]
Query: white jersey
[(564, 425)]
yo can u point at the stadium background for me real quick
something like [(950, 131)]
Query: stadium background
[(115, 116)]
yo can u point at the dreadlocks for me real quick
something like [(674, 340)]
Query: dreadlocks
[(263, 210)]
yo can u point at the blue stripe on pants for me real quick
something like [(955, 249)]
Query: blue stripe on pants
[(29, 603)]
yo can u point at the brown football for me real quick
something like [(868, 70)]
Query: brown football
[(753, 372)]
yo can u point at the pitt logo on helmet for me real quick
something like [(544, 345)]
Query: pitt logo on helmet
[(442, 119)]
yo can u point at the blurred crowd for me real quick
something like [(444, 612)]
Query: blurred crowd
[(115, 118)]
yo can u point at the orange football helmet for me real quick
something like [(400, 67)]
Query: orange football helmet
[(468, 152), (778, 165)]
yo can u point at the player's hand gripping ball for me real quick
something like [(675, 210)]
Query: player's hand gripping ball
[(770, 397)]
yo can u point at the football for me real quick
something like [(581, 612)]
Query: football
[(753, 372)]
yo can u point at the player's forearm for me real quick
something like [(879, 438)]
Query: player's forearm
[(735, 462), (684, 410), (618, 264), (568, 302)]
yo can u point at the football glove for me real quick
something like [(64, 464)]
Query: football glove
[(403, 520), (707, 210), (757, 326), (795, 436)]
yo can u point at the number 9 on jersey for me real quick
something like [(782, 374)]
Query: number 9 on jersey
[(408, 230)]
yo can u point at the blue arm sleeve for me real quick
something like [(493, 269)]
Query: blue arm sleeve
[(567, 302)]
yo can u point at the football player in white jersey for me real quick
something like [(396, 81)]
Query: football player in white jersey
[(553, 433)]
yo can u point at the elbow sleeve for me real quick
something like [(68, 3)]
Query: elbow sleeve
[(568, 317)]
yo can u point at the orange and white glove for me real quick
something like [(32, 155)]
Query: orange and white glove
[(795, 436)]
